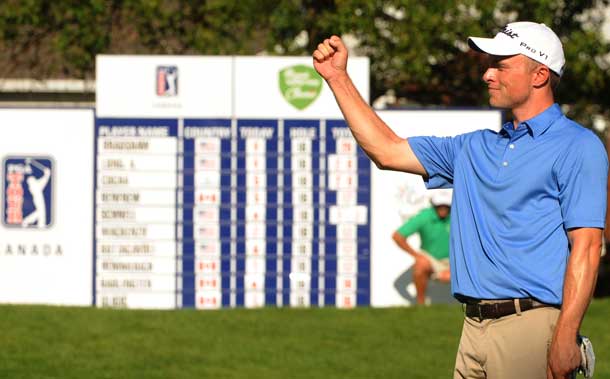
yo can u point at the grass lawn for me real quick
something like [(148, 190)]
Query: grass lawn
[(64, 342)]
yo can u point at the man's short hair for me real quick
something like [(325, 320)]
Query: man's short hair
[(554, 79)]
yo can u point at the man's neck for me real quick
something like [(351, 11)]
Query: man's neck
[(530, 110)]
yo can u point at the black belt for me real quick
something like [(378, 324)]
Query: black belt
[(500, 308)]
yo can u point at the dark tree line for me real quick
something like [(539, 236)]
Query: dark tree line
[(417, 48)]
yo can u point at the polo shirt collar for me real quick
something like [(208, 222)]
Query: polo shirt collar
[(537, 124), (540, 123)]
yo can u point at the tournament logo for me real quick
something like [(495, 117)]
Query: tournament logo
[(167, 81), (300, 85), (28, 192)]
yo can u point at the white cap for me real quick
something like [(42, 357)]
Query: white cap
[(531, 39), (441, 197)]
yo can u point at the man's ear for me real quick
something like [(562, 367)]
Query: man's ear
[(542, 76)]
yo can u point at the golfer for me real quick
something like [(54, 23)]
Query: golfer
[(431, 260), (528, 205)]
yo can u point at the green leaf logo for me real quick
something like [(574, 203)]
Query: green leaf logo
[(300, 85)]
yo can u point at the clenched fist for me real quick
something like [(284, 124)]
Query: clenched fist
[(330, 58)]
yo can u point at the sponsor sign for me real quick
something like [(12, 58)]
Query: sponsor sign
[(149, 86), (46, 228), (289, 87), (300, 85)]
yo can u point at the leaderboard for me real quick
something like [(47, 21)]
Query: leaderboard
[(214, 213)]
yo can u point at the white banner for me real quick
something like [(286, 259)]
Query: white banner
[(46, 234)]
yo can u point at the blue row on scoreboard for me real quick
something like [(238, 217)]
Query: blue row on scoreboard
[(212, 213)]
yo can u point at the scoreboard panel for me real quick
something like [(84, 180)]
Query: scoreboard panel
[(212, 213), (214, 186)]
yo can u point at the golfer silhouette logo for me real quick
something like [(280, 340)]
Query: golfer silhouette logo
[(28, 189), (167, 81)]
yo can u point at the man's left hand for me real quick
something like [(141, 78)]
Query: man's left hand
[(564, 356)]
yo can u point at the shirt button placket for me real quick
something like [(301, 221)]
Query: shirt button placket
[(512, 147), (505, 159)]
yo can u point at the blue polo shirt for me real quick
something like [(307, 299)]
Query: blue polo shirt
[(516, 193)]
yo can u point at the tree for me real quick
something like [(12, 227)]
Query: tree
[(417, 49), (60, 39), (45, 39)]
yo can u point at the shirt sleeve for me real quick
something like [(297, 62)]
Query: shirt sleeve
[(437, 155), (582, 175), (412, 225)]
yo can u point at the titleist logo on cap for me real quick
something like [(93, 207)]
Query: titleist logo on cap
[(509, 32)]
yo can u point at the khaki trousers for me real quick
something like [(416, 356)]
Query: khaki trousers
[(510, 347)]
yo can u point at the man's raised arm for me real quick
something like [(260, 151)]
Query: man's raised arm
[(380, 143)]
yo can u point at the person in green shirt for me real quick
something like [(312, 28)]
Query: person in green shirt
[(432, 259)]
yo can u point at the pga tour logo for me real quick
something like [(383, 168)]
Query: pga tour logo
[(167, 81), (28, 191)]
